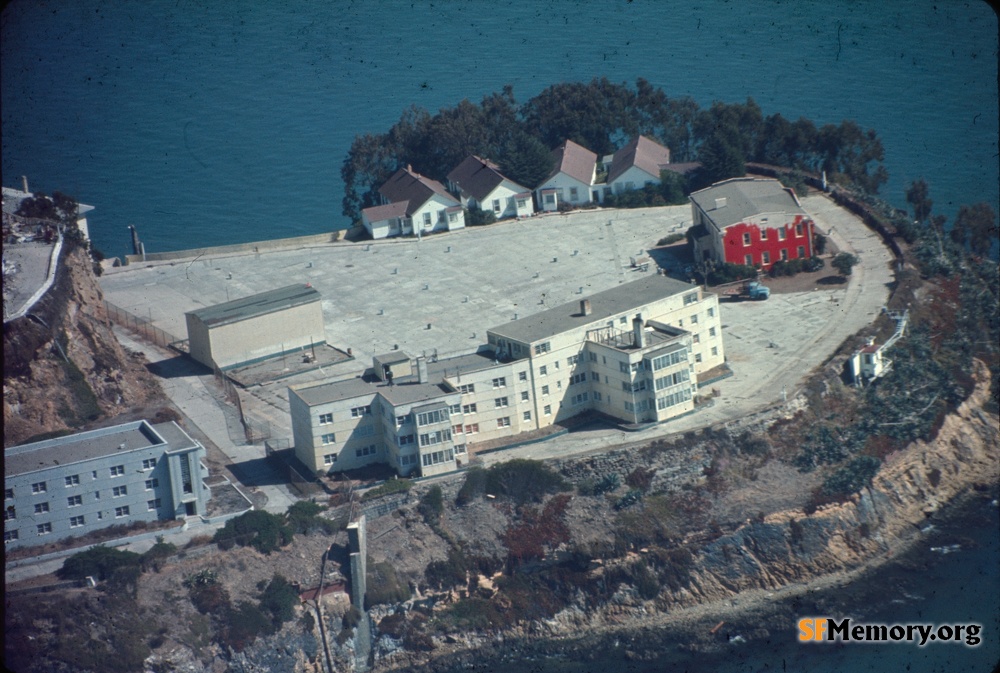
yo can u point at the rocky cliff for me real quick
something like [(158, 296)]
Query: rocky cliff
[(63, 368)]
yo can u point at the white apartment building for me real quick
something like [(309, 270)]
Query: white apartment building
[(633, 352)]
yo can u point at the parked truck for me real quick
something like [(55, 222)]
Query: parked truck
[(751, 289)]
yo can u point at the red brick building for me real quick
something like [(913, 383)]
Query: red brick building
[(750, 221)]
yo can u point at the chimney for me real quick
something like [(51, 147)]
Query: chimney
[(638, 334), (585, 307), (720, 202), (422, 369)]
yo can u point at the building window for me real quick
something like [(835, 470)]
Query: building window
[(715, 350), (119, 491), (152, 483), (623, 367), (73, 480), (437, 457), (597, 396), (117, 471), (802, 251), (798, 229), (746, 239), (39, 487), (711, 331), (525, 396), (550, 198), (121, 512), (522, 376), (500, 382), (406, 439), (594, 376), (748, 260), (697, 357), (9, 536), (543, 347), (468, 388), (763, 234), (578, 378), (690, 298), (543, 371), (74, 501), (328, 438), (427, 219), (41, 508), (76, 521), (460, 449), (696, 338), (9, 513), (153, 505), (784, 255), (457, 429), (469, 408), (711, 313), (547, 410), (436, 437), (363, 451), (781, 233), (437, 416), (472, 428), (577, 400), (545, 390), (97, 495), (496, 206), (455, 409), (8, 493), (526, 415), (572, 360), (358, 412), (573, 194), (765, 257), (503, 422), (500, 402), (325, 418), (329, 458), (694, 319), (44, 528)]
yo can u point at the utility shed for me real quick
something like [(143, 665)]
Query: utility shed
[(257, 327)]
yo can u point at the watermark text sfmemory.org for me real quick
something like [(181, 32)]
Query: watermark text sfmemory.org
[(828, 629)]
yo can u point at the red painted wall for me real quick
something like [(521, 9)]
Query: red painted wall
[(736, 251)]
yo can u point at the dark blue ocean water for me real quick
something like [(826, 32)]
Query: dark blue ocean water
[(210, 123)]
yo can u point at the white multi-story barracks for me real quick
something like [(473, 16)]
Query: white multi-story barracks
[(72, 485), (633, 352)]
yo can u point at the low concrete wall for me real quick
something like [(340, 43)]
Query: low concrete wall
[(255, 246)]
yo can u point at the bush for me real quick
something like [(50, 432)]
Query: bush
[(844, 262), (99, 562), (304, 517), (812, 264), (449, 573), (473, 486), (819, 244), (210, 598), (852, 477), (523, 480), (262, 530), (158, 554), (280, 599), (242, 626), (729, 273), (384, 585), (640, 479), (432, 505), (631, 497), (475, 217), (387, 488)]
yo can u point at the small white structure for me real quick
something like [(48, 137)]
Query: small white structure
[(412, 204), (257, 327), (480, 184), (871, 362), (573, 174)]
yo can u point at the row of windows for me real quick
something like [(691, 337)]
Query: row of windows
[(673, 399), (672, 379), (670, 359), (765, 257), (431, 438), (437, 457), (74, 479), (77, 500), (782, 233), (429, 417)]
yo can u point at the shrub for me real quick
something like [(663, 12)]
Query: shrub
[(813, 264), (432, 505), (210, 598), (157, 555), (640, 479), (844, 262), (852, 477), (387, 488), (384, 585), (523, 480), (242, 626), (631, 497), (99, 562), (304, 517), (473, 486), (475, 217), (728, 273), (262, 530), (280, 599), (448, 573), (819, 244)]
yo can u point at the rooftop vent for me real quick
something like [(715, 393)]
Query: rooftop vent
[(720, 202), (585, 306)]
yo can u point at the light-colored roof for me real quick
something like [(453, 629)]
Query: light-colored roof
[(641, 152), (621, 299), (388, 211), (404, 391), (257, 305), (83, 446), (477, 177), (575, 161), (408, 185), (745, 197)]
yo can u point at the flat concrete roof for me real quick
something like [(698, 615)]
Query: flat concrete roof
[(80, 447), (406, 391), (257, 305), (603, 305), (745, 197)]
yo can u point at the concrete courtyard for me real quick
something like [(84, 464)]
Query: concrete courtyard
[(441, 293)]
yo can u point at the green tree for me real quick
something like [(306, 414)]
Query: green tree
[(918, 196), (526, 160), (844, 262), (279, 598), (596, 114), (99, 562), (977, 226), (672, 188), (853, 154)]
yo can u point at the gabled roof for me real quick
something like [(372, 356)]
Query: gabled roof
[(641, 152), (408, 185), (477, 177), (575, 161), (734, 200), (390, 210)]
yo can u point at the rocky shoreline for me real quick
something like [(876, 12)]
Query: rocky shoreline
[(746, 577)]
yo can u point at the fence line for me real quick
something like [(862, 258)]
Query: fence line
[(142, 327)]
